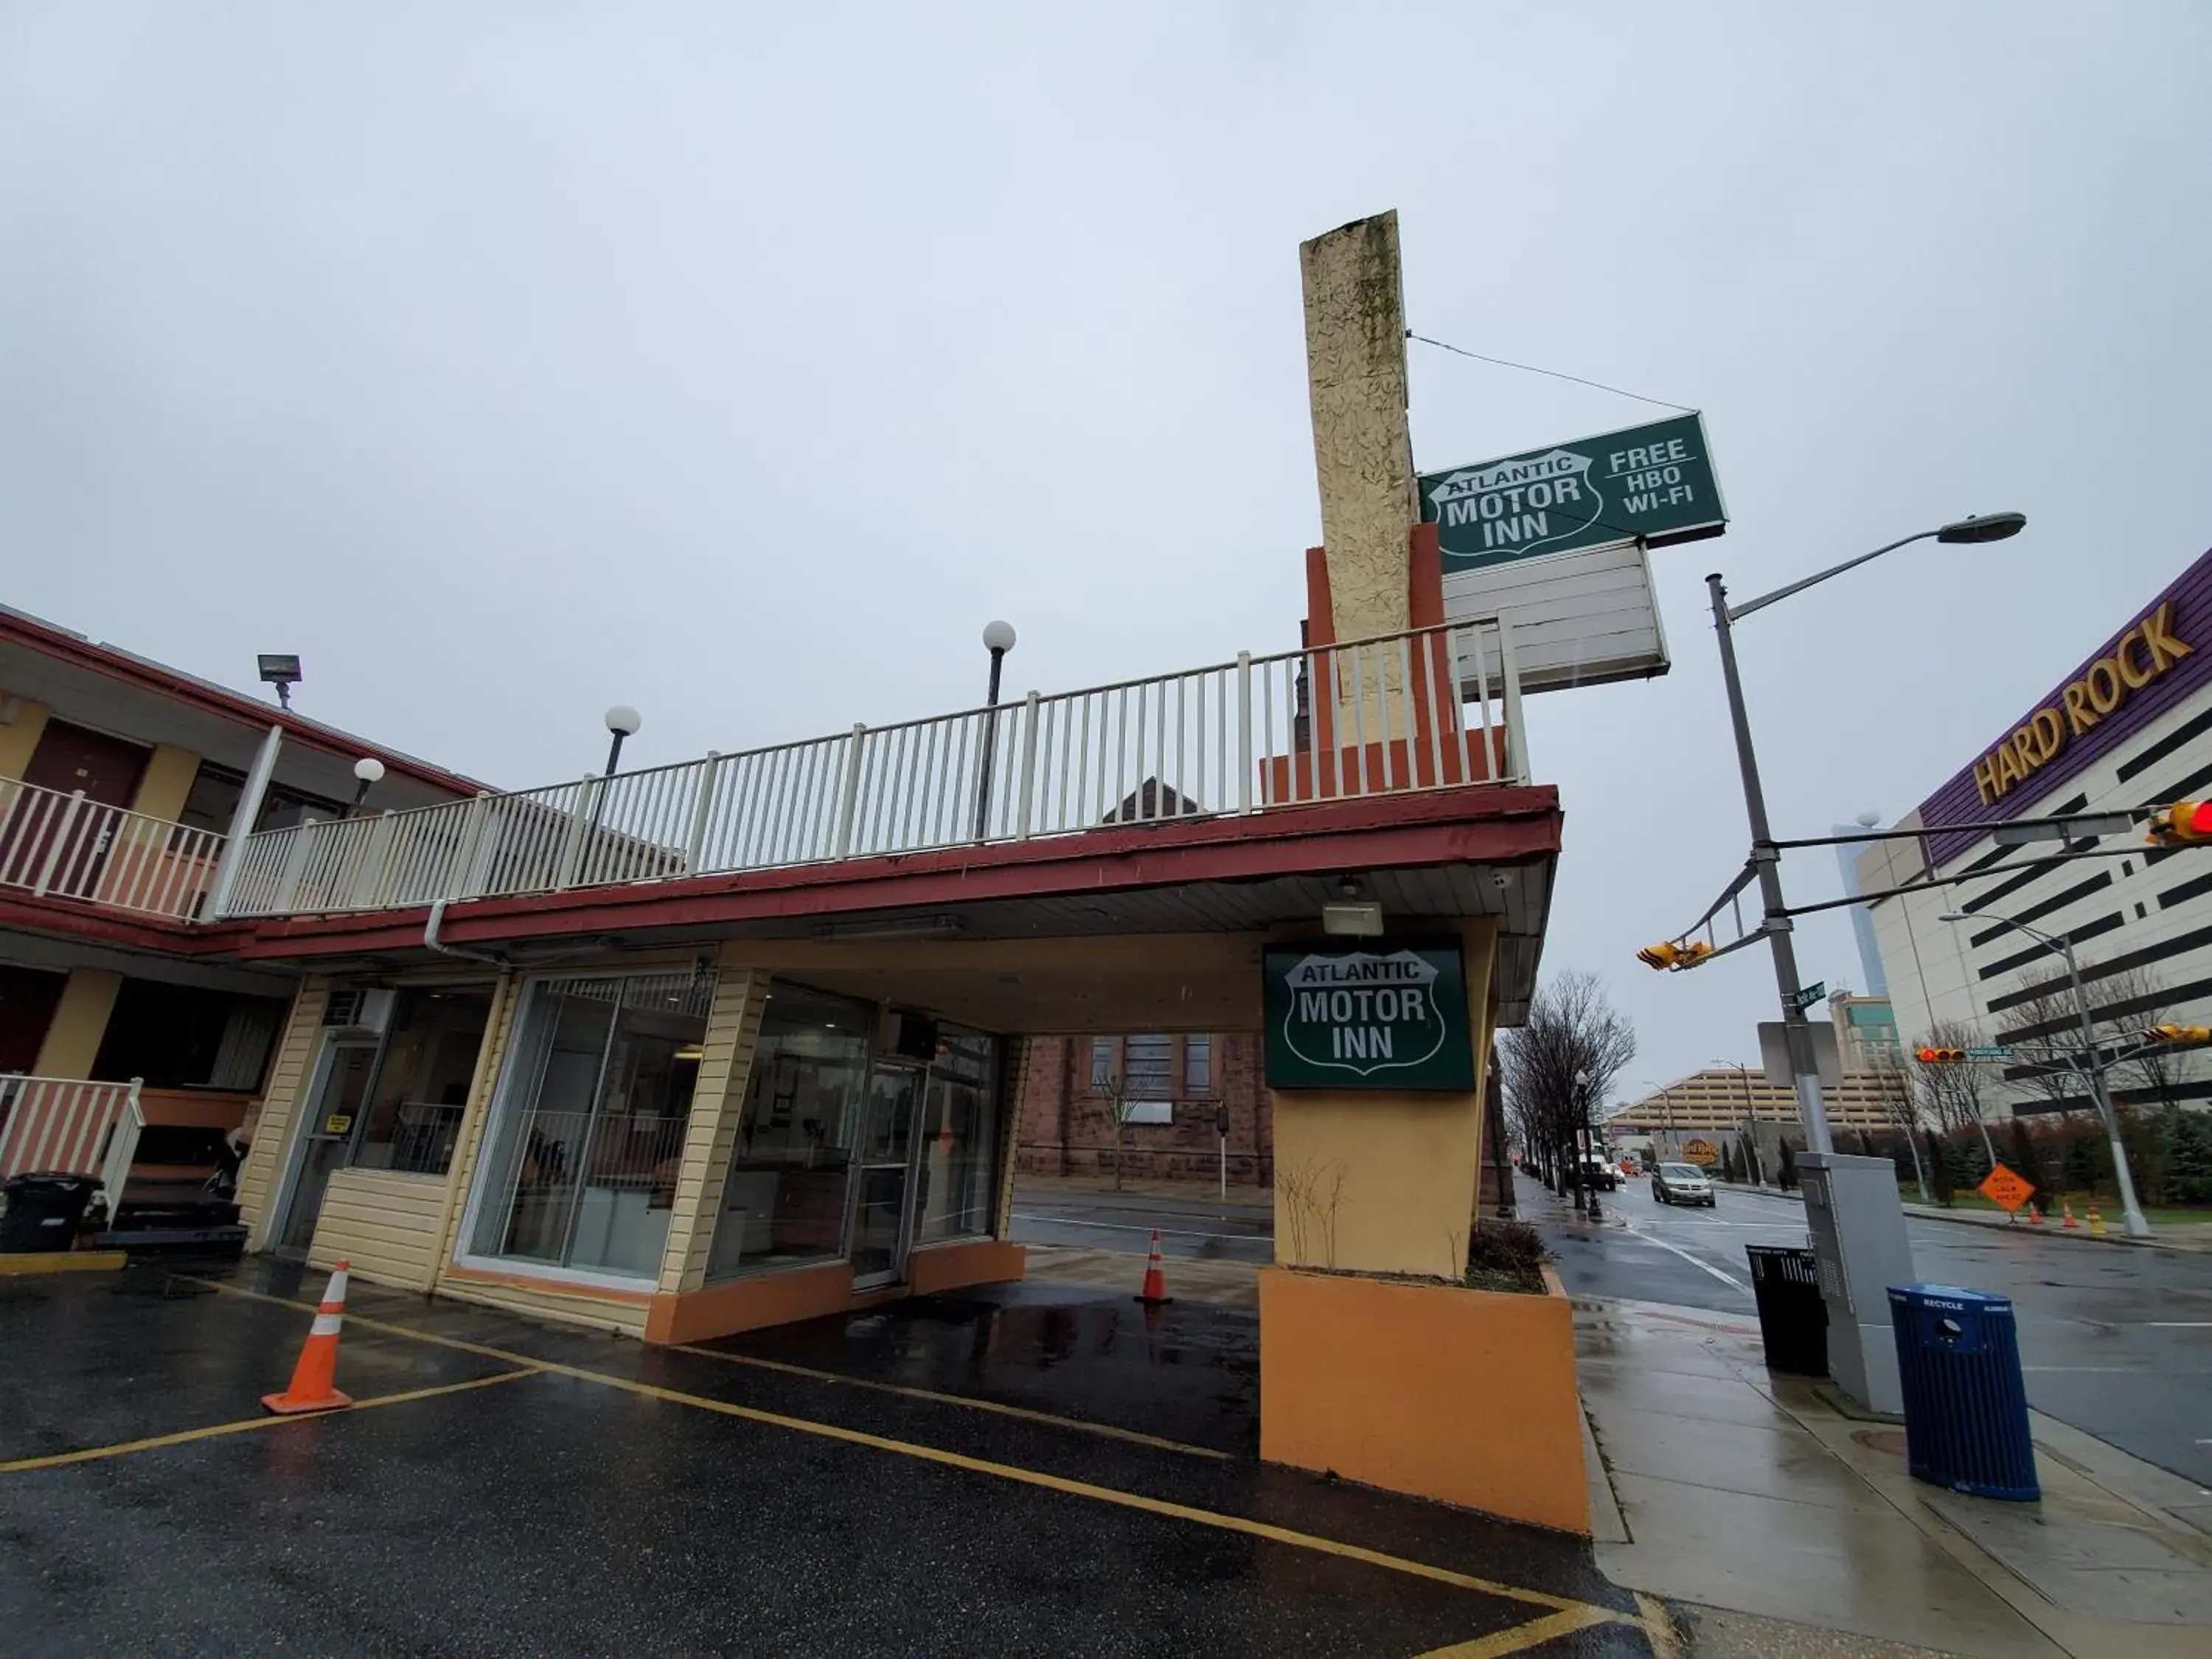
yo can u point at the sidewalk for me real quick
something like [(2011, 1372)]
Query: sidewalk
[(2195, 1235), (1733, 1492), (1193, 1194)]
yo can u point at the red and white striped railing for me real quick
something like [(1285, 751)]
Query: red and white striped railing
[(72, 847), (69, 1125)]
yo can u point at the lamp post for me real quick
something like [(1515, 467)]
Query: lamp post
[(1589, 1138), (2091, 1068), (1750, 1140), (366, 770), (1776, 923), (622, 721), (997, 639)]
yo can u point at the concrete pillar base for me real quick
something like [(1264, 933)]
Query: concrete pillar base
[(1432, 1390)]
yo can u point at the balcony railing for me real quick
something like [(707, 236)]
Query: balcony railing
[(1374, 717), (72, 847), (71, 1127)]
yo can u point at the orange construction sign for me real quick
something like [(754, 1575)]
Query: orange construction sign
[(2005, 1189)]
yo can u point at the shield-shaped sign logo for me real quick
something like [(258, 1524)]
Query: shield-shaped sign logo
[(1363, 1012)]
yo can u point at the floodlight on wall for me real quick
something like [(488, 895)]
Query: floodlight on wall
[(283, 673), (1352, 918)]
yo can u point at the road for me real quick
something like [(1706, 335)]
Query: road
[(2115, 1341), (1198, 1225)]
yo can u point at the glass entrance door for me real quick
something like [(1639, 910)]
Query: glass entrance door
[(880, 1229), (326, 1135)]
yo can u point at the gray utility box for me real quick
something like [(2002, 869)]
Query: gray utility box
[(1859, 1241)]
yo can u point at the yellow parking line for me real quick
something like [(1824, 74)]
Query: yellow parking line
[(1593, 1613), (1052, 1419), (1659, 1626), (22, 1465), (1521, 1638)]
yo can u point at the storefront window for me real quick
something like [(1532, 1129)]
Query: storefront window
[(423, 1082), (960, 1138), (593, 1110), (784, 1201)]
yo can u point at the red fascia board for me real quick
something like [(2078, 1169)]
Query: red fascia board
[(68, 919), (176, 684), (1495, 826)]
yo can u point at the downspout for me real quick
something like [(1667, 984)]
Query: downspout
[(431, 942)]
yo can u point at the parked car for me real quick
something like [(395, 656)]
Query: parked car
[(1598, 1172), (1682, 1183)]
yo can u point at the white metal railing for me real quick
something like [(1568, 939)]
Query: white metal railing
[(69, 1125), (67, 846), (1365, 718)]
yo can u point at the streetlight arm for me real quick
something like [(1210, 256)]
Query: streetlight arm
[(1736, 613)]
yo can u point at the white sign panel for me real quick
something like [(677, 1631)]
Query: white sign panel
[(1579, 618)]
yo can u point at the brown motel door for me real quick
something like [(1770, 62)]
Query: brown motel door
[(67, 758)]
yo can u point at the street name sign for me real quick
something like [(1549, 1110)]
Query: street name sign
[(1376, 1014), (1992, 1051), (1649, 484), (1806, 996)]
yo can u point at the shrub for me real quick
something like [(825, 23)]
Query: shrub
[(1506, 1255)]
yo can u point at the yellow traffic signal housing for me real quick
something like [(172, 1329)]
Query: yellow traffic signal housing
[(1940, 1056), (2184, 1036), (1669, 954), (2185, 822)]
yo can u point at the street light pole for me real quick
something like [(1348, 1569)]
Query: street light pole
[(2089, 1065), (1802, 1067), (1750, 1105), (1589, 1136), (1776, 923), (997, 639)]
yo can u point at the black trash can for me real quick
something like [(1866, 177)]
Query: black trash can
[(44, 1210), (1793, 1320), (1965, 1404)]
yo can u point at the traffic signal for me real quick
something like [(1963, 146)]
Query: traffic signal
[(2183, 822), (1671, 956), (1940, 1056), (2184, 1036)]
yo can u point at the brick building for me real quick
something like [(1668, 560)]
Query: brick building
[(1176, 1085)]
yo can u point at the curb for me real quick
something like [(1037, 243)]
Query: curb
[(25, 1263)]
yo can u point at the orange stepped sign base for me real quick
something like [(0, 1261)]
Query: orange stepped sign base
[(314, 1379)]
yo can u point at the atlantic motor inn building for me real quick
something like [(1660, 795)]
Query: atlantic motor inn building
[(125, 1043), (2128, 726), (742, 1040)]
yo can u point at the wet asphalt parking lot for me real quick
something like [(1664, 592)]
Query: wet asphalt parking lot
[(1030, 1470)]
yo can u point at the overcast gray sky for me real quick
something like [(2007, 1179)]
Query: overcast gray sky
[(741, 362)]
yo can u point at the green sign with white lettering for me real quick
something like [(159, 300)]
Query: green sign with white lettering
[(1653, 482), (1368, 1015)]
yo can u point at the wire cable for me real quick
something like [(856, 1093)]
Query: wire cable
[(1531, 368)]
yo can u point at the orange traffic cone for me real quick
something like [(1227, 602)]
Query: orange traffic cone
[(2096, 1221), (2035, 1214), (2070, 1222), (1155, 1293), (313, 1379)]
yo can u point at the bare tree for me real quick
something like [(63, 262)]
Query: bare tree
[(1887, 1061), (1109, 1084), (2046, 1006), (1953, 1095), (1565, 1055), (2156, 1072)]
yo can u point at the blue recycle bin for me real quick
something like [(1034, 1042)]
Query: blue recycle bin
[(1965, 1407)]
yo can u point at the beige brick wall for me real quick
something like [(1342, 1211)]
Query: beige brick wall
[(288, 1078), (725, 1069)]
